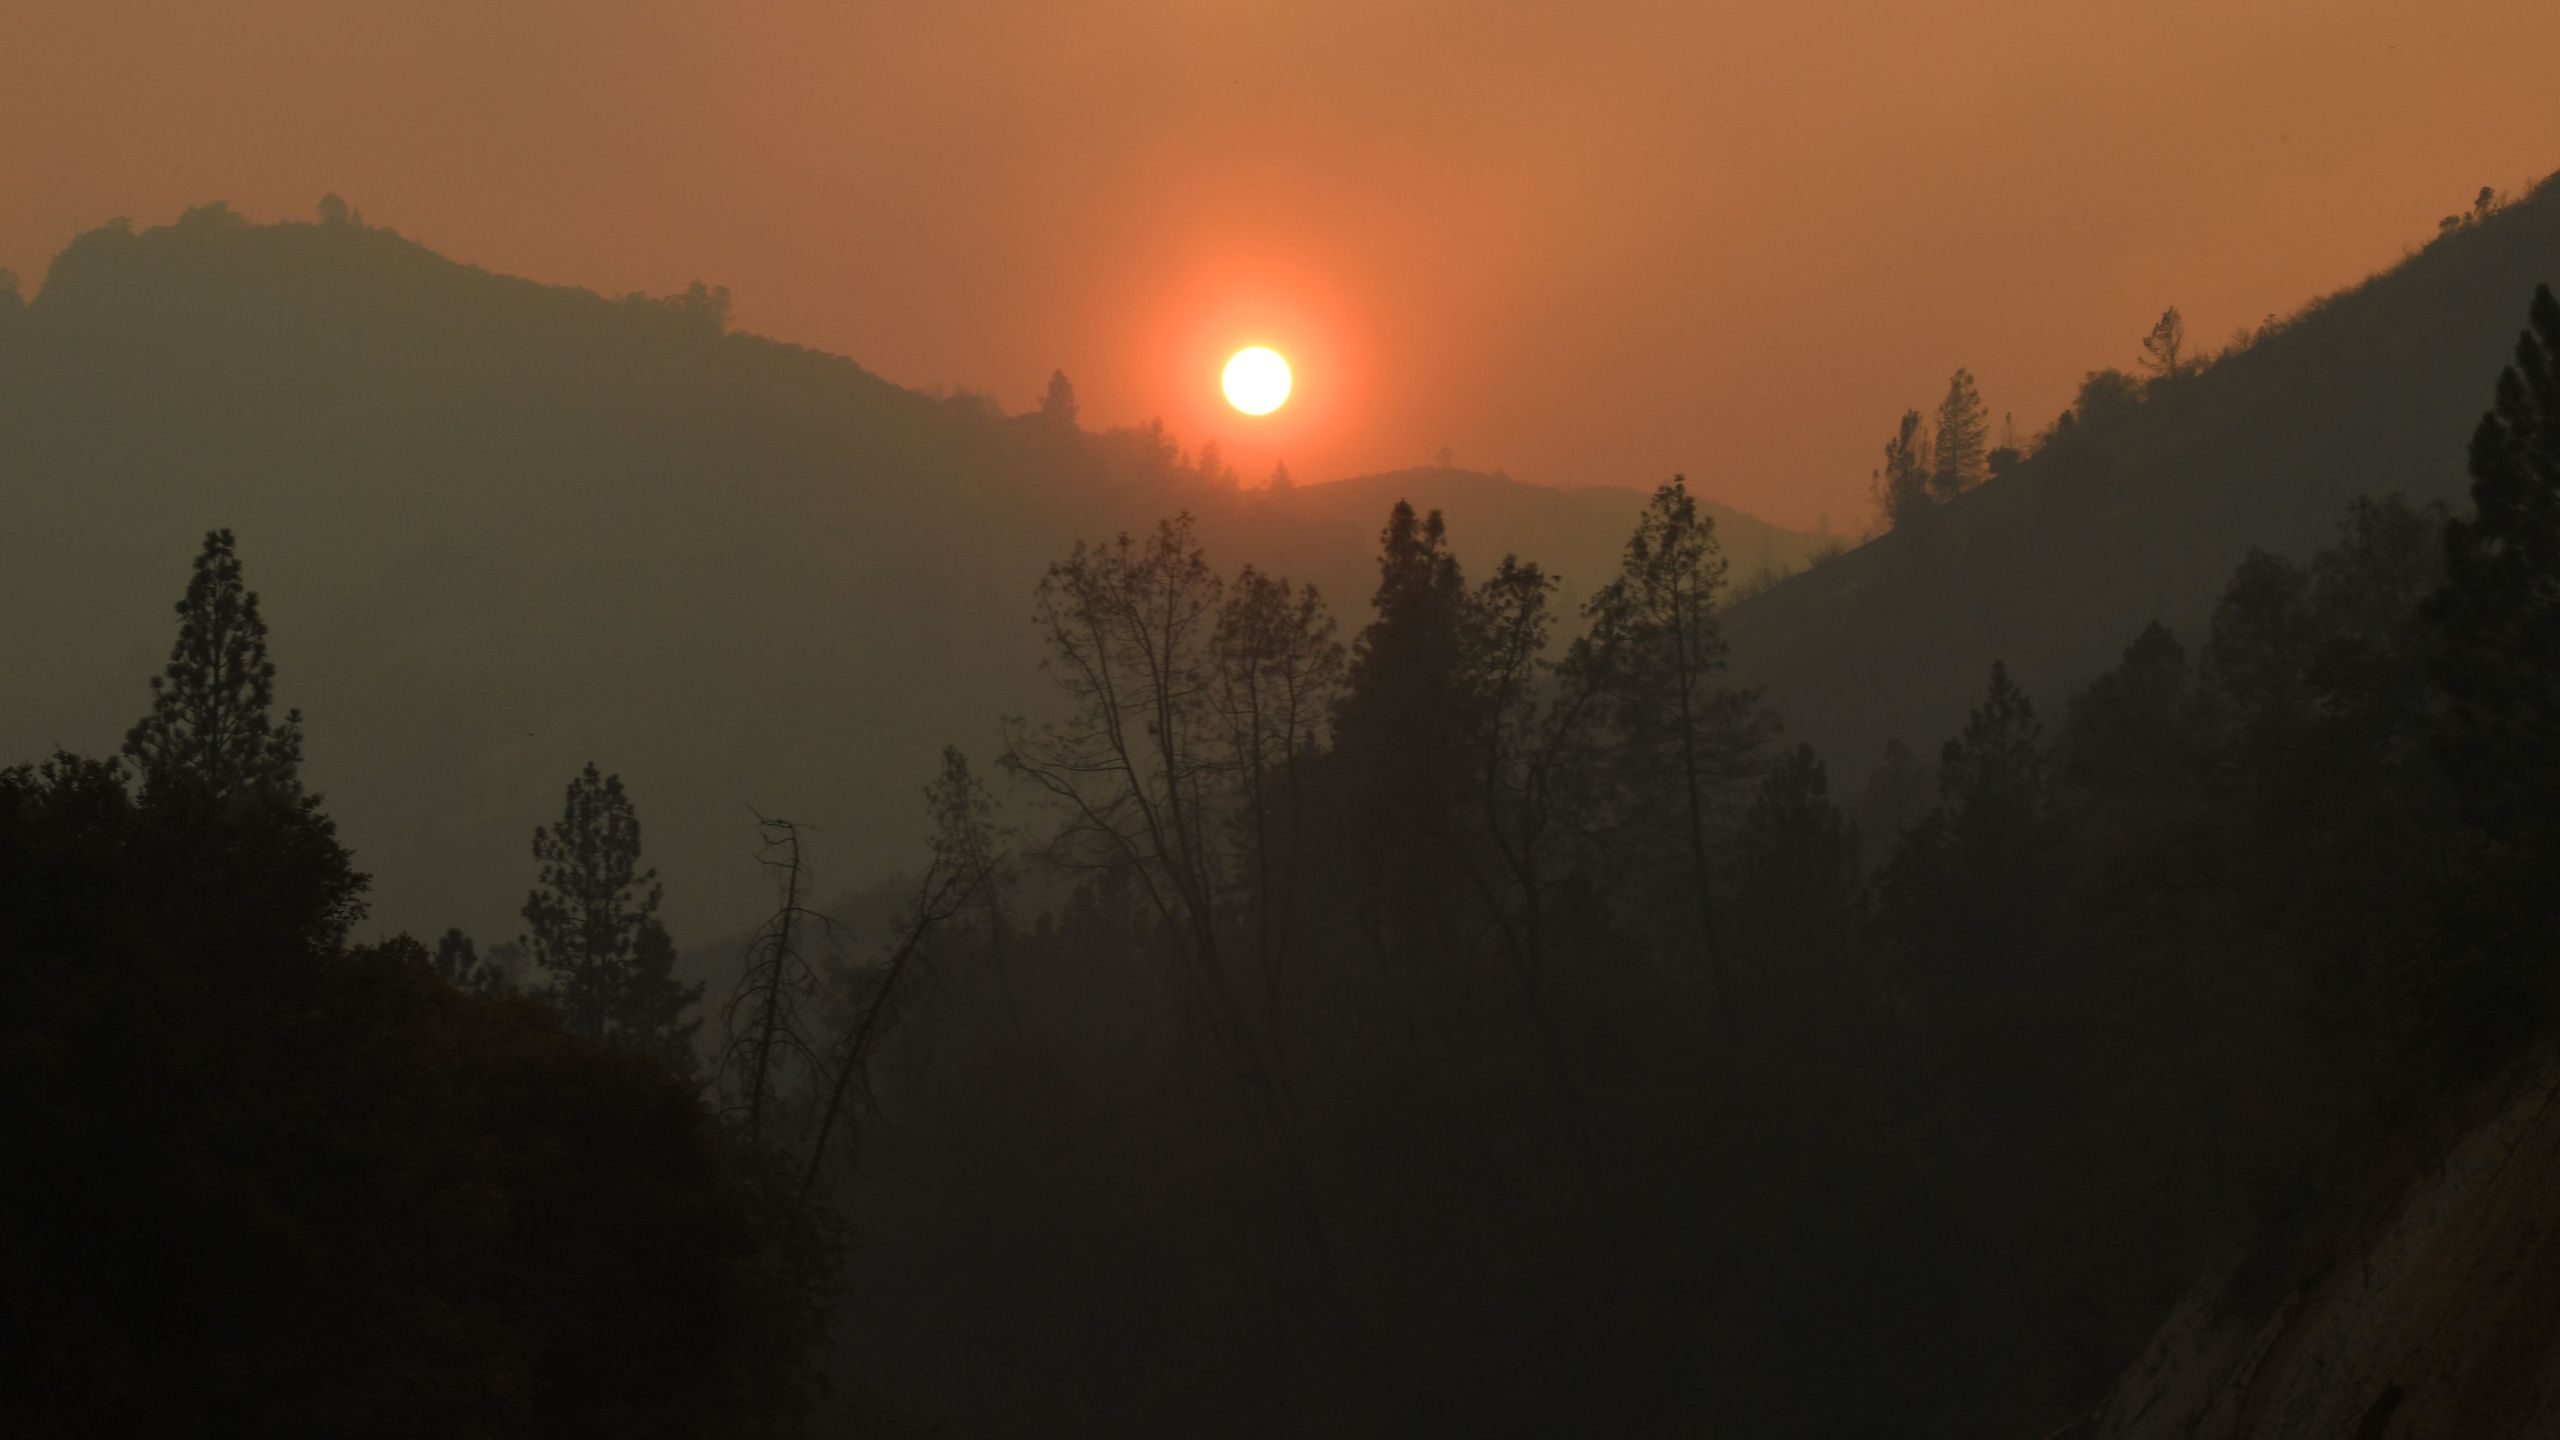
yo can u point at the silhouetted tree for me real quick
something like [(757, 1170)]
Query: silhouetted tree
[(767, 1036), (1137, 764), (1963, 438), (2164, 350), (1058, 402), (1535, 727), (458, 963), (1968, 896), (1212, 464), (1799, 894), (702, 307), (2005, 455), (2105, 395), (1399, 732), (209, 720), (1684, 735), (2499, 607), (961, 875), (2263, 636), (1279, 669), (304, 1183), (1902, 486), (1996, 767), (592, 926)]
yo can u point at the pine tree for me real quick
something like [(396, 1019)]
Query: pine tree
[(593, 929), (1963, 441), (1798, 889), (2499, 606), (1398, 730), (2164, 350), (1970, 893), (1058, 402), (209, 723), (1400, 697), (1684, 735), (1996, 768), (1902, 486)]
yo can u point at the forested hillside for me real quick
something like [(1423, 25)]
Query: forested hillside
[(506, 528), (2138, 504), (1451, 1000)]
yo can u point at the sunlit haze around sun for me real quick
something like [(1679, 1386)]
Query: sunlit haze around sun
[(1256, 380)]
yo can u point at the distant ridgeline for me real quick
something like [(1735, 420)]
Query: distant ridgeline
[(2139, 503), (1454, 1008), (504, 527)]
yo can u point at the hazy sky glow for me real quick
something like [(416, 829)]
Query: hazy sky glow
[(1584, 242)]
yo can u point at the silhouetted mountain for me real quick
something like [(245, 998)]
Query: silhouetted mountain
[(2139, 513), (503, 528)]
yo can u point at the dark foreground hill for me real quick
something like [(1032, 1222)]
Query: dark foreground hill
[(2140, 512), (504, 528)]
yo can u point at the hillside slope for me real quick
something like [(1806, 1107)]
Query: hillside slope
[(2143, 514), (2435, 1319), (503, 528)]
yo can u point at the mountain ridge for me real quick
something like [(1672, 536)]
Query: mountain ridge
[(2141, 514), (503, 527)]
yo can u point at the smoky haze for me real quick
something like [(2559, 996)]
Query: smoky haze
[(1578, 244)]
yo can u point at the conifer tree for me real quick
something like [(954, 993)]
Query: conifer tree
[(1996, 768), (1398, 728), (1798, 889), (1902, 486), (1970, 891), (1684, 734), (1963, 443), (592, 927), (2499, 605), (2164, 350), (210, 720), (1058, 402)]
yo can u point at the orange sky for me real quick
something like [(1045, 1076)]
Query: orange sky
[(1584, 241)]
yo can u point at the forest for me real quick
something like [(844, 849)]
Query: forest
[(1458, 1009)]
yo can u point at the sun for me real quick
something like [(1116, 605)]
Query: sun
[(1256, 380)]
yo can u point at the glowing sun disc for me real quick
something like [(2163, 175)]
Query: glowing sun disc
[(1256, 380)]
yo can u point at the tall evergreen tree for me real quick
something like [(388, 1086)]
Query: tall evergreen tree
[(1685, 736), (1058, 402), (1902, 486), (2164, 350), (1970, 891), (1399, 733), (592, 927), (210, 720), (1798, 889), (2499, 605), (1959, 459)]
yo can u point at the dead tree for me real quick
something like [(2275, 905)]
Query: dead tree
[(959, 877), (768, 1036)]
